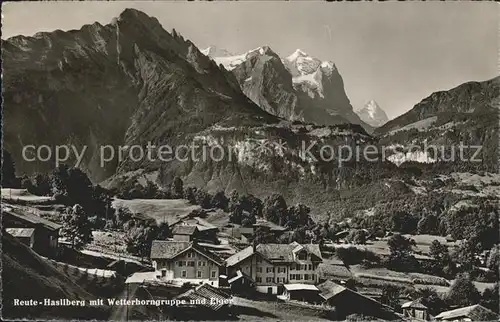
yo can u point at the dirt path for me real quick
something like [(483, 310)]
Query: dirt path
[(122, 312)]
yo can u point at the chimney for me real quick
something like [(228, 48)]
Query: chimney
[(254, 245)]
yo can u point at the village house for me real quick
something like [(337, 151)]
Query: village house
[(185, 262), (34, 231), (347, 302), (415, 310), (271, 266), (470, 313), (301, 292), (206, 232)]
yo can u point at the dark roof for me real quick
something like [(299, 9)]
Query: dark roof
[(239, 256), (474, 312), (416, 304), (169, 249), (330, 289), (34, 219), (206, 294), (185, 230), (20, 232), (267, 224)]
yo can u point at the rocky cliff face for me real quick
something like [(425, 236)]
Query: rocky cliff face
[(124, 83), (465, 115), (298, 87)]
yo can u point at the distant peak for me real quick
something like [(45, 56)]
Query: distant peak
[(214, 51), (134, 16), (372, 114), (296, 54)]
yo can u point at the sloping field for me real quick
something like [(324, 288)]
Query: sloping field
[(27, 276), (161, 210), (14, 195)]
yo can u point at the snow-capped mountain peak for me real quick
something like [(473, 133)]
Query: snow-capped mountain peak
[(214, 51), (372, 114), (231, 61)]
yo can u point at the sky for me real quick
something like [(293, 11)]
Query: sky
[(394, 53)]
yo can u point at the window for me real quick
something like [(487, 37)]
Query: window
[(199, 274), (183, 274), (190, 255), (269, 269), (292, 276), (181, 263), (190, 263), (281, 269), (259, 259), (214, 273), (258, 279), (259, 269), (310, 266), (303, 255), (202, 263), (269, 279), (306, 277), (163, 272)]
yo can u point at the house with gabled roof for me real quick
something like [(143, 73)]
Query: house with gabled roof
[(271, 266), (469, 313), (40, 234), (347, 302), (184, 261)]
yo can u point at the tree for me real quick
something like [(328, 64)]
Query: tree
[(248, 219), (478, 225), (203, 199), (463, 292), (77, 228), (490, 299), (443, 262), (403, 222), (139, 240), (263, 236), (493, 261), (430, 298), (219, 200), (428, 225), (42, 185), (357, 236), (234, 200), (190, 195), (27, 184), (390, 296), (297, 216), (275, 209), (9, 179), (177, 187), (401, 258)]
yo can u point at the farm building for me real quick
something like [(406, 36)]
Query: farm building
[(347, 302), (415, 310), (300, 292), (470, 313), (24, 235), (42, 234)]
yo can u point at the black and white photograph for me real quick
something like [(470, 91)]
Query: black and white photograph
[(250, 161)]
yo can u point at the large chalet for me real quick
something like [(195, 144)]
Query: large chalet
[(271, 266), (185, 262)]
